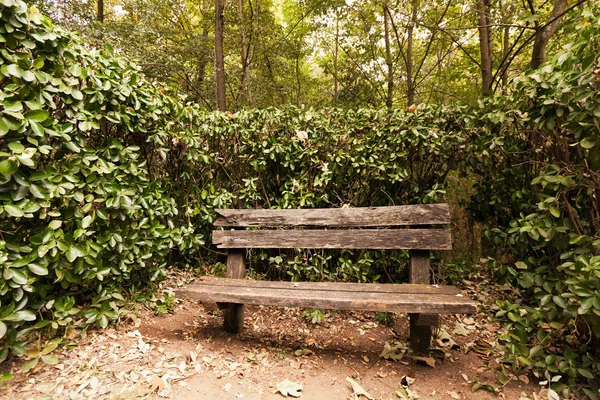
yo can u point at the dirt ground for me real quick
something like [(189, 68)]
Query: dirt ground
[(186, 355)]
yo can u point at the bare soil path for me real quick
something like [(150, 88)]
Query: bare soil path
[(186, 355)]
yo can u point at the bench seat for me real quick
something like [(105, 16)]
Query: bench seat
[(399, 298)]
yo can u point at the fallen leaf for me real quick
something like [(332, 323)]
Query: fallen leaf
[(407, 381), (483, 386), (357, 390), (524, 378), (427, 360), (454, 395), (303, 352), (394, 351), (156, 384), (459, 329), (289, 388)]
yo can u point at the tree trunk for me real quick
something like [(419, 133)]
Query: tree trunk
[(100, 16), (245, 45), (336, 87), (505, 56), (219, 60), (544, 32), (410, 84), (485, 45), (388, 58)]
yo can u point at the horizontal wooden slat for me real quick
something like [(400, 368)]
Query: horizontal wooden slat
[(316, 297), (416, 239), (418, 214), (404, 288)]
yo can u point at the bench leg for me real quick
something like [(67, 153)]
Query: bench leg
[(234, 318), (420, 335), (420, 328), (234, 313)]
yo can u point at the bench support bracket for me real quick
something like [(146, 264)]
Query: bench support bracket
[(420, 324), (234, 313)]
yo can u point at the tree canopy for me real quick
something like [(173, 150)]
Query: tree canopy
[(352, 53)]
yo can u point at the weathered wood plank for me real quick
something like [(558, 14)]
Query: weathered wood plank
[(418, 214), (394, 288), (336, 300), (236, 269), (421, 239), (236, 266), (418, 270), (420, 333)]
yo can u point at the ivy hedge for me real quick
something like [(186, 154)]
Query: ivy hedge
[(538, 159), (85, 216)]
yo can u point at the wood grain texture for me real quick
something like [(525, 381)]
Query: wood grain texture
[(418, 273), (393, 288), (418, 270), (236, 265), (418, 214), (236, 269), (331, 299), (421, 239)]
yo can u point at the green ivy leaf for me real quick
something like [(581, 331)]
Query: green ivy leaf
[(13, 210), (588, 142), (37, 115), (8, 167), (38, 269), (3, 329), (30, 364)]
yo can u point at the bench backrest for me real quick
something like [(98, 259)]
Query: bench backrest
[(307, 220)]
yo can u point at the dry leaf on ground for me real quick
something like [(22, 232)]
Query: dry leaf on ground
[(358, 390), (289, 388)]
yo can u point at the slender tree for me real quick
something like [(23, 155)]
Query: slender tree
[(100, 15), (543, 33), (389, 99), (219, 58), (485, 45)]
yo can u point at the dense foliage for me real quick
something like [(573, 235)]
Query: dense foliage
[(84, 218), (540, 192), (292, 158)]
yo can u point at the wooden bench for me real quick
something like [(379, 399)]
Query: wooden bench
[(354, 228)]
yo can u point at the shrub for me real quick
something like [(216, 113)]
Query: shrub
[(84, 211), (538, 159)]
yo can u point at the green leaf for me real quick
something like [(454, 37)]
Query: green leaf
[(86, 222), (3, 127), (30, 364), (13, 210), (16, 147), (22, 315), (55, 224), (555, 211), (588, 142), (37, 115), (585, 372), (520, 265), (3, 329), (103, 322), (50, 359), (38, 269), (8, 167)]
